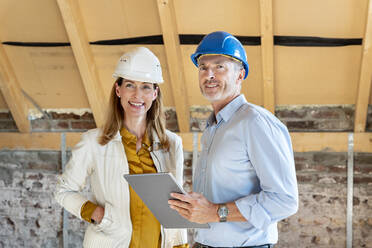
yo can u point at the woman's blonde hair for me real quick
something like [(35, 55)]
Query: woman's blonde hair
[(155, 118)]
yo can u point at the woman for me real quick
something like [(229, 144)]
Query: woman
[(133, 140)]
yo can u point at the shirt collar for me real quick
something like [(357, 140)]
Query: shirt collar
[(228, 111), (128, 137)]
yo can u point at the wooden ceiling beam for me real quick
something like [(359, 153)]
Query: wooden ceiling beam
[(267, 53), (302, 142), (365, 79), (12, 93), (174, 62), (76, 32)]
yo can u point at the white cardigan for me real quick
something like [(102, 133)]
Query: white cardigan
[(106, 165)]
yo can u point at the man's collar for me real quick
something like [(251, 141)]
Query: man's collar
[(228, 111)]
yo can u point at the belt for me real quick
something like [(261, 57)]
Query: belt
[(198, 245)]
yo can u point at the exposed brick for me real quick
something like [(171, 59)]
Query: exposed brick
[(337, 168), (318, 197), (59, 125), (327, 158), (49, 156), (35, 176), (41, 125), (325, 114), (82, 125), (171, 120), (299, 159), (317, 118), (305, 178), (8, 125), (363, 158), (199, 116), (172, 126), (320, 222), (300, 125), (198, 125), (5, 116), (286, 113), (364, 168), (327, 180), (87, 116), (187, 172), (341, 179), (6, 176), (335, 125), (362, 179), (369, 119), (5, 156), (369, 126), (64, 116)]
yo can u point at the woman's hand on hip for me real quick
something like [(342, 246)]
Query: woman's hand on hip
[(98, 214)]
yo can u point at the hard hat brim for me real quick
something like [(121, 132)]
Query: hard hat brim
[(195, 57), (138, 78)]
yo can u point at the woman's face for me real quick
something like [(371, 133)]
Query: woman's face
[(136, 97)]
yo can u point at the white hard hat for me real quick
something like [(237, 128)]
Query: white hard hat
[(139, 64)]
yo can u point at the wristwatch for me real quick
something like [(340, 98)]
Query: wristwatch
[(222, 212)]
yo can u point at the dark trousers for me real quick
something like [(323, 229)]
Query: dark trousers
[(197, 245)]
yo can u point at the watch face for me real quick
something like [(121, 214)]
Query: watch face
[(223, 211)]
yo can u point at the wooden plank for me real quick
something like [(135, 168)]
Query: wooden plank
[(307, 142), (84, 57), (12, 93), (363, 142), (188, 141), (302, 142), (37, 141), (174, 61), (364, 86), (267, 53)]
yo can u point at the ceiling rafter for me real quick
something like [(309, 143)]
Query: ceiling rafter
[(174, 61), (74, 24), (365, 79), (12, 93), (267, 53)]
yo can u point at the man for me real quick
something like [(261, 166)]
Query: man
[(245, 179)]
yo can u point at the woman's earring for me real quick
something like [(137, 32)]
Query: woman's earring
[(119, 96)]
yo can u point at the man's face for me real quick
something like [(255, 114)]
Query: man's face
[(219, 78)]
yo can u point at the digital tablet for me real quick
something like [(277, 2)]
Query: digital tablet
[(154, 189)]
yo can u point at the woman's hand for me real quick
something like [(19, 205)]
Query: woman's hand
[(98, 214)]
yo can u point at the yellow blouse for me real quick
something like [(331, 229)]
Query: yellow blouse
[(146, 228)]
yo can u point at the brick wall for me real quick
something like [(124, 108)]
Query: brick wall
[(7, 123), (29, 216), (321, 219), (63, 122), (55, 121), (317, 118), (312, 118)]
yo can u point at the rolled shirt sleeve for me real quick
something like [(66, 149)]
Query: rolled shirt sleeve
[(269, 148), (87, 210)]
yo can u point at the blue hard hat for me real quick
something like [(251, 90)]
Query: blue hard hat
[(221, 43)]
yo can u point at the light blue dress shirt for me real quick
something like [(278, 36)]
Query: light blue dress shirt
[(246, 157)]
